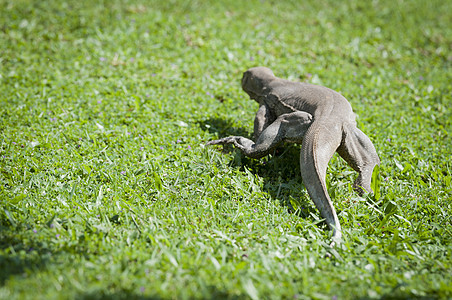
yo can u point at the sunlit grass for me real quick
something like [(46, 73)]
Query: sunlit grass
[(107, 190)]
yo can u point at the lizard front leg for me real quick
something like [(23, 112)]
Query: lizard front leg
[(263, 119), (288, 127)]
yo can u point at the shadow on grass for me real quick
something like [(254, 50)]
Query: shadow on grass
[(280, 171), (23, 257), (101, 295), (282, 178), (213, 293), (404, 295), (223, 127)]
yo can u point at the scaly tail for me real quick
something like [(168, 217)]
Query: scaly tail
[(318, 146)]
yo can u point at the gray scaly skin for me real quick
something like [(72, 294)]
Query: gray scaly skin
[(321, 120)]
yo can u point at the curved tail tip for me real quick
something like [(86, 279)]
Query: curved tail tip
[(337, 238)]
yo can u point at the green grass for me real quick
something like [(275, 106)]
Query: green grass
[(106, 189)]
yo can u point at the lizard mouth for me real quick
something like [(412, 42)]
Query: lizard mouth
[(246, 87), (244, 81), (252, 95)]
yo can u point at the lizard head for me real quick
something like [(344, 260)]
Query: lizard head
[(255, 81)]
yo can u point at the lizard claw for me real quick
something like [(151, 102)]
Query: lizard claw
[(214, 142), (226, 140)]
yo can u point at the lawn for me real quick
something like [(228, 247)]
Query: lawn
[(106, 187)]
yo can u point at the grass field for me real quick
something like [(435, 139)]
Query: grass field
[(107, 190)]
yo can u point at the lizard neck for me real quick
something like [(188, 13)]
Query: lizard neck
[(276, 105)]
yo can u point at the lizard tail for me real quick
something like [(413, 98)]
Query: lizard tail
[(318, 146)]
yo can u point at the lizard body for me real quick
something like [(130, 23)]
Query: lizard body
[(319, 118)]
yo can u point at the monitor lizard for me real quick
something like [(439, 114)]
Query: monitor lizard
[(321, 119)]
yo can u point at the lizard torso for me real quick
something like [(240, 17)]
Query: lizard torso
[(320, 102), (283, 96)]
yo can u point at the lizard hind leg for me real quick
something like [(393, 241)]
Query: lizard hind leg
[(359, 152)]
